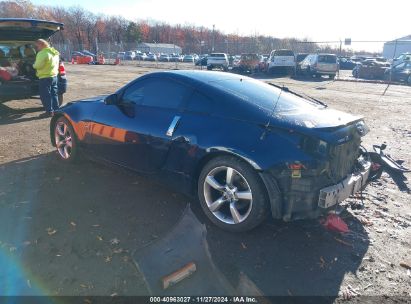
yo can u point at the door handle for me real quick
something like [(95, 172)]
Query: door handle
[(173, 125)]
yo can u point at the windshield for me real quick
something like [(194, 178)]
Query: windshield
[(262, 95), (217, 55), (283, 53)]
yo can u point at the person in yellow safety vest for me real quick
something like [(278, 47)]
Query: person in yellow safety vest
[(47, 66)]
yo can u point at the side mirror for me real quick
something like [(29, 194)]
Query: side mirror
[(111, 99)]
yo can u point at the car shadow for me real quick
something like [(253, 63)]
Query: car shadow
[(399, 179), (9, 115), (66, 228)]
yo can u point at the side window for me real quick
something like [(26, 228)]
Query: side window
[(164, 93), (134, 94), (199, 103), (400, 66)]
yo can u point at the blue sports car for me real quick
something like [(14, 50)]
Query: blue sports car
[(246, 148)]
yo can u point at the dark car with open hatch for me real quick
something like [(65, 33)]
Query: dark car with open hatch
[(17, 55), (246, 148)]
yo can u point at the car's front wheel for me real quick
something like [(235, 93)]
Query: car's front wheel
[(65, 139), (232, 194)]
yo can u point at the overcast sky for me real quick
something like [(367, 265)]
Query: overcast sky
[(318, 20)]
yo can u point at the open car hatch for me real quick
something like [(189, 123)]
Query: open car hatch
[(16, 29)]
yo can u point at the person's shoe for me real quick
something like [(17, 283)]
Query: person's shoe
[(45, 115)]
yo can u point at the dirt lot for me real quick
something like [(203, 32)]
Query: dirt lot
[(74, 229)]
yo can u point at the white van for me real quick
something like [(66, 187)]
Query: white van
[(281, 60), (319, 64)]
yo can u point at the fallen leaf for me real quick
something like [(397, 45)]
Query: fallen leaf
[(107, 259), (114, 241), (51, 231), (73, 224), (405, 265), (99, 238), (243, 245), (343, 242)]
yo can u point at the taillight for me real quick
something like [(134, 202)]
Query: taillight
[(62, 69)]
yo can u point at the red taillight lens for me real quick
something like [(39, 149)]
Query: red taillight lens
[(62, 69), (296, 166)]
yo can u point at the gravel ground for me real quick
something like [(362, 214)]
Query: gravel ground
[(72, 229)]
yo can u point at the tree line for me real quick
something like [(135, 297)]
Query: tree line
[(86, 30)]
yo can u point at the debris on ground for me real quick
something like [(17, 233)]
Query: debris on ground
[(335, 223)]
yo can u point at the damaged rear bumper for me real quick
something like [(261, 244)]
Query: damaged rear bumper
[(332, 195), (312, 195)]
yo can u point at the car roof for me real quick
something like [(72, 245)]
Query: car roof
[(195, 76)]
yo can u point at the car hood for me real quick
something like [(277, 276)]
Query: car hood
[(27, 29)]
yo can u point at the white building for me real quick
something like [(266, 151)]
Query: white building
[(394, 48), (156, 48)]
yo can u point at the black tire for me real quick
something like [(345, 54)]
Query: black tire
[(256, 210), (332, 76), (209, 67), (73, 150)]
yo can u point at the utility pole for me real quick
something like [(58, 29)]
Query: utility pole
[(212, 49)]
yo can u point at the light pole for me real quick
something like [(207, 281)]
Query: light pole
[(212, 49)]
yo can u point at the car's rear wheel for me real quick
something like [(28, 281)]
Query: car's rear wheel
[(65, 140), (232, 194)]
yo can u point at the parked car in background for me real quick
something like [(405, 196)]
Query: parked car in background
[(319, 64), (110, 55), (370, 69), (129, 55), (76, 54), (164, 58), (298, 59), (400, 72), (141, 56), (248, 63), (403, 57), (246, 149), (151, 57), (188, 58), (18, 79), (282, 61), (217, 60), (88, 53), (175, 58), (346, 63), (121, 55)]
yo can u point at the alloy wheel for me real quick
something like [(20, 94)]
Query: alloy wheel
[(63, 139), (228, 195)]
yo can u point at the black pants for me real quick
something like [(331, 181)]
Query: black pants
[(48, 93)]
